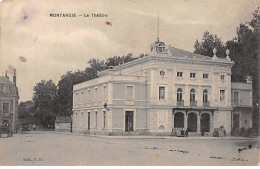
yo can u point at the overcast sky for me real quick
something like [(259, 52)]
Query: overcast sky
[(41, 47)]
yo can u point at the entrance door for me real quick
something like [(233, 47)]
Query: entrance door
[(236, 121), (192, 122), (88, 120), (205, 122), (129, 121)]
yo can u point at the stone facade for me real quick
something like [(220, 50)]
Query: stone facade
[(8, 101), (170, 89)]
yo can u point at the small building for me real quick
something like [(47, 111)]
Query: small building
[(63, 124), (9, 101), (242, 105)]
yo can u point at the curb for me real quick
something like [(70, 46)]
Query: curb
[(156, 137)]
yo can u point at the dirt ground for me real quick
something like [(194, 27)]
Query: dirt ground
[(48, 148)]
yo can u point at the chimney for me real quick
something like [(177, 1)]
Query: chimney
[(249, 79), (14, 77), (6, 75)]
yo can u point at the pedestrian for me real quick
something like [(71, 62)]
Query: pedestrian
[(34, 127), (172, 132), (186, 133)]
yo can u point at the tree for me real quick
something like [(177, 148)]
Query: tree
[(65, 85), (44, 100), (65, 88), (209, 42), (26, 112), (244, 51)]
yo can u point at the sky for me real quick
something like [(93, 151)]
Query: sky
[(42, 47)]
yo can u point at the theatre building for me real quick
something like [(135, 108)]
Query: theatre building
[(168, 89)]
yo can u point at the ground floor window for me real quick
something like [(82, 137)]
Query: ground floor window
[(5, 108)]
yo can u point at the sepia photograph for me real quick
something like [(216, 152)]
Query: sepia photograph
[(129, 82)]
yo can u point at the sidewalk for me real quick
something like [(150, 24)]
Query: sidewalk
[(157, 137)]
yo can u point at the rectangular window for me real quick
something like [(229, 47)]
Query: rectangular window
[(179, 74), (104, 93), (88, 96), (82, 97), (236, 97), (192, 75), (205, 76), (96, 118), (76, 98), (104, 117), (88, 120), (222, 95), (5, 108), (161, 93), (222, 77), (129, 92), (95, 94)]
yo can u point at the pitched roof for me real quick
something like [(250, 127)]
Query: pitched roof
[(4, 80), (182, 53)]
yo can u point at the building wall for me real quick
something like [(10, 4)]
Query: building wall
[(245, 118), (9, 94), (63, 127), (242, 103), (150, 112), (222, 118)]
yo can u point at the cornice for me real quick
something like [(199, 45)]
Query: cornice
[(219, 63)]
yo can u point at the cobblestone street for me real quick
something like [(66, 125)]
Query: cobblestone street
[(49, 148)]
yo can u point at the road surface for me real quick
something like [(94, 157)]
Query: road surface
[(49, 148)]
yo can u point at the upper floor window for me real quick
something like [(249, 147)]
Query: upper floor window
[(104, 93), (179, 74), (88, 96), (222, 95), (236, 97), (95, 94), (205, 95), (76, 98), (205, 76), (129, 92), (82, 97), (5, 108), (161, 93), (222, 77), (192, 75), (160, 47), (179, 94), (192, 95)]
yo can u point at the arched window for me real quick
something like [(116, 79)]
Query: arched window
[(192, 95), (179, 94), (160, 48), (205, 95)]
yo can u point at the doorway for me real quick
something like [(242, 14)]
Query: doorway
[(88, 120), (205, 122), (192, 122), (236, 119), (179, 120), (129, 121)]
